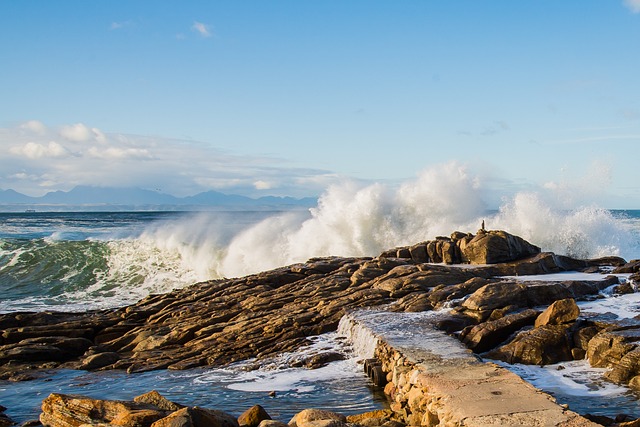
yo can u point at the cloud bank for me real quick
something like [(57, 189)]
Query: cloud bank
[(35, 159)]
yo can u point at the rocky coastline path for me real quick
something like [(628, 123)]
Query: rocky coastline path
[(218, 322)]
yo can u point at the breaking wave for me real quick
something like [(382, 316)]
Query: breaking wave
[(353, 220), (86, 266)]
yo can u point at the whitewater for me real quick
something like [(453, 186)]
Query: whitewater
[(75, 261)]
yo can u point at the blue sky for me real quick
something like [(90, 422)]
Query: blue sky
[(288, 97)]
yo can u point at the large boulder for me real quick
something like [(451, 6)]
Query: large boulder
[(608, 347), (317, 417), (485, 336), (545, 345), (148, 410), (156, 399), (496, 246), (561, 311), (61, 410), (197, 417), (253, 416), (497, 295), (627, 368)]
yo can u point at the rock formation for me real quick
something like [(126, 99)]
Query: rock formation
[(153, 410), (221, 321), (217, 322)]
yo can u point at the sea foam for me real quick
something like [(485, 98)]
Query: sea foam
[(357, 220), (106, 266)]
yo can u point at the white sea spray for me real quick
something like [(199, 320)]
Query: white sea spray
[(356, 220)]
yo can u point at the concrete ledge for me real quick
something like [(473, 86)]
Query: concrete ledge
[(433, 380)]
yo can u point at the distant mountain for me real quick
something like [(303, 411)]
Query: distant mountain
[(136, 198), (88, 195), (11, 196)]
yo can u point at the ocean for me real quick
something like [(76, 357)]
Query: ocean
[(75, 261)]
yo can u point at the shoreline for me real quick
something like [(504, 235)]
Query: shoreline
[(219, 322)]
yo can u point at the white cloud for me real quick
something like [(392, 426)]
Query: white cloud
[(632, 5), (202, 29), (262, 185), (33, 150), (34, 126), (77, 132), (118, 153), (34, 158)]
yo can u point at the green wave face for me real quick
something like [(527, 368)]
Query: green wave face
[(50, 268)]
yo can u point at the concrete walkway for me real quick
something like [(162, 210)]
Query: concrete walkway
[(436, 381)]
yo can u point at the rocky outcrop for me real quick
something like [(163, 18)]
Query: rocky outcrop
[(60, 410), (561, 311), (253, 416), (153, 410), (492, 247), (486, 247), (487, 335), (543, 345), (221, 321), (318, 418), (218, 322), (149, 410)]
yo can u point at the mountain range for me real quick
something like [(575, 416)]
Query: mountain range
[(106, 198)]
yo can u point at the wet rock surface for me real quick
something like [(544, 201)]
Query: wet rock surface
[(218, 322), (153, 410)]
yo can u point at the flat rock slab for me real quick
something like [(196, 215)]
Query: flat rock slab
[(461, 388)]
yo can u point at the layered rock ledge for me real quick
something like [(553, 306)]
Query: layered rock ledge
[(218, 322)]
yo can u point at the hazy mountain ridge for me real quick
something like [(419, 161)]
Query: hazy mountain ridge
[(132, 198)]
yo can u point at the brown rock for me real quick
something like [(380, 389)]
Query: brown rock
[(578, 353), (632, 266), (137, 418), (562, 311), (253, 416), (197, 417), (272, 423), (485, 336), (444, 294), (540, 346), (372, 418), (303, 418), (582, 336), (626, 368), (497, 295), (60, 410), (634, 383), (494, 247), (322, 359), (419, 252), (5, 421), (156, 399), (99, 360), (608, 347), (624, 288)]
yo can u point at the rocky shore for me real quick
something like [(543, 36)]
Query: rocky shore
[(218, 322)]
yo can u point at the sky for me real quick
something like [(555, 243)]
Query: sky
[(260, 97)]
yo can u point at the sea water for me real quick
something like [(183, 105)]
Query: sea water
[(74, 261), (283, 391)]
